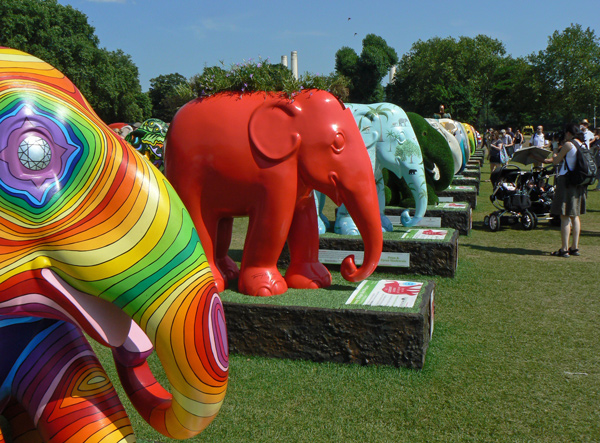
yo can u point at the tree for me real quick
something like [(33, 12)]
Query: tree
[(514, 93), (457, 73), (162, 93), (366, 71), (568, 72), (61, 36)]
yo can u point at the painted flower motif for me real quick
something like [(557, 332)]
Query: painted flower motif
[(37, 154)]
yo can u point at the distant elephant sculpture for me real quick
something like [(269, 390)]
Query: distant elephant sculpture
[(457, 130), (437, 157), (149, 140), (391, 144), (261, 155), (437, 161), (94, 239), (452, 143), (471, 136)]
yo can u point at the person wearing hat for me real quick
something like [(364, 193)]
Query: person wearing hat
[(589, 135)]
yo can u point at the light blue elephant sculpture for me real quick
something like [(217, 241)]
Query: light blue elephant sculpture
[(391, 144)]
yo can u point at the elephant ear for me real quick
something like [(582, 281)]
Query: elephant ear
[(272, 131)]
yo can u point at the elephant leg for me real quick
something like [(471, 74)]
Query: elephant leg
[(64, 389), (305, 270), (17, 426), (267, 230), (227, 267)]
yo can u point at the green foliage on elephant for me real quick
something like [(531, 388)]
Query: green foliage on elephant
[(62, 36), (436, 153), (367, 70), (398, 192), (261, 75), (164, 94)]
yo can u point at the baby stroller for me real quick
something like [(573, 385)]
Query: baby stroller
[(512, 197), (541, 192)]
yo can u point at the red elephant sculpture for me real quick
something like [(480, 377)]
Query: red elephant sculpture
[(260, 155)]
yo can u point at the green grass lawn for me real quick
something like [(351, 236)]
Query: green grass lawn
[(514, 358)]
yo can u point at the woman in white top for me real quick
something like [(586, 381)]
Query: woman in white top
[(569, 200)]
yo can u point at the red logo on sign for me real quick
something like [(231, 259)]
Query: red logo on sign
[(432, 232), (398, 288)]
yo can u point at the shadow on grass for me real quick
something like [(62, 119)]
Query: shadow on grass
[(339, 287), (495, 249)]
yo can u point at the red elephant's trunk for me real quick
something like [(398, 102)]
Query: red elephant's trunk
[(363, 207)]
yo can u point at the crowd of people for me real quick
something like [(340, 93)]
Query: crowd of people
[(569, 200)]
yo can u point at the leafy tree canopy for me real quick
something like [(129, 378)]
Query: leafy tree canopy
[(366, 71), (568, 74), (61, 36), (457, 73), (163, 92)]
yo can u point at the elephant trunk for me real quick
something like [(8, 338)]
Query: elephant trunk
[(418, 187), (363, 207), (191, 343)]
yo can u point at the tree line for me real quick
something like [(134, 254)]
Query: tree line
[(473, 77)]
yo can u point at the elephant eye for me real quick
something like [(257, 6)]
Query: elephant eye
[(338, 143), (424, 133)]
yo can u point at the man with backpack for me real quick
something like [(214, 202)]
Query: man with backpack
[(573, 178)]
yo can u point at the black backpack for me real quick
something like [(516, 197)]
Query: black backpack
[(584, 172)]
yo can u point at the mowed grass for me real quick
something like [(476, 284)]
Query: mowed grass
[(514, 358)]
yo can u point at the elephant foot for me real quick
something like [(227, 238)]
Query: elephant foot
[(228, 268), (386, 224), (220, 283), (308, 276), (261, 282), (346, 226)]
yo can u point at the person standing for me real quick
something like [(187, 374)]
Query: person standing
[(595, 147), (518, 140), (495, 148), (507, 141), (538, 138), (569, 200), (587, 134)]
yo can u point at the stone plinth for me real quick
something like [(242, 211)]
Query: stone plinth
[(457, 216), (459, 194), (461, 180), (343, 334), (405, 251)]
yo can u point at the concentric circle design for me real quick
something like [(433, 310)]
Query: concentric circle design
[(218, 333), (34, 153)]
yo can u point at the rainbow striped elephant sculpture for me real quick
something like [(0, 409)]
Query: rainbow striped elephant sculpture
[(93, 238)]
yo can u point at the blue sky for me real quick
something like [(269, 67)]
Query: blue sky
[(184, 36)]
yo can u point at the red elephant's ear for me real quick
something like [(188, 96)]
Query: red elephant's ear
[(272, 131)]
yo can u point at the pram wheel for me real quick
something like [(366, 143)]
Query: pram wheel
[(494, 222), (528, 220), (486, 221)]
